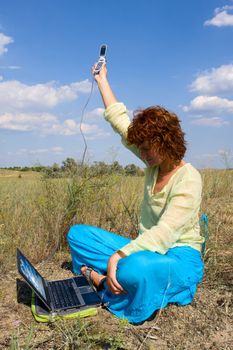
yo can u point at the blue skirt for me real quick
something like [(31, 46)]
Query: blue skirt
[(152, 280)]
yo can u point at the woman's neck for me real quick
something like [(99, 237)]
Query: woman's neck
[(167, 167)]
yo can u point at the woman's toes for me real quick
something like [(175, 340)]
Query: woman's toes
[(83, 269), (95, 277)]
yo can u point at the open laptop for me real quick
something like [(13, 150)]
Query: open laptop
[(61, 296)]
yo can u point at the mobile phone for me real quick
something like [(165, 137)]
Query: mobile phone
[(102, 58), (103, 50)]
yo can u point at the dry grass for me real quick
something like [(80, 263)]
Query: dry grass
[(218, 203), (35, 214)]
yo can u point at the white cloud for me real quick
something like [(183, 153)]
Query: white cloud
[(48, 124), (10, 67), (70, 127), (56, 149), (16, 95), (53, 150), (215, 122), (216, 80), (4, 41), (213, 104), (222, 17), (27, 122), (95, 114), (13, 67)]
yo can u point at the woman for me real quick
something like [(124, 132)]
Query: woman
[(163, 264)]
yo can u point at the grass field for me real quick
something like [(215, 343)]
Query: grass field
[(35, 214)]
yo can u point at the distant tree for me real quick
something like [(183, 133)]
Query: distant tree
[(69, 166), (54, 171), (116, 168), (38, 168), (25, 168), (55, 167), (100, 168), (132, 169)]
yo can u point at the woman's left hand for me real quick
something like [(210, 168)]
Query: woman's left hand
[(112, 282)]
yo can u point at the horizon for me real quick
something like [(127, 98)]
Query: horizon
[(177, 55)]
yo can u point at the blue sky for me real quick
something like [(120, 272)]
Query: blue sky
[(176, 53)]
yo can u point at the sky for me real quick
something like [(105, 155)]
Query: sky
[(174, 53)]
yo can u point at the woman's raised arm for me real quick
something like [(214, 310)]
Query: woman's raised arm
[(117, 114), (104, 87)]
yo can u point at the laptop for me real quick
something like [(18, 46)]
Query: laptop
[(60, 296)]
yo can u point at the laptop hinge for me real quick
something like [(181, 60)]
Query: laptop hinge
[(78, 293), (49, 295)]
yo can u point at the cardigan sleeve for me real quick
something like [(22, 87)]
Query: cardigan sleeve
[(182, 207), (116, 114)]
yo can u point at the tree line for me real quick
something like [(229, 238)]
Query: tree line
[(71, 167)]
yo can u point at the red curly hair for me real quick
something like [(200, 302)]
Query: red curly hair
[(161, 128)]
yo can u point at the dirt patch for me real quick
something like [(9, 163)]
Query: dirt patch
[(204, 324)]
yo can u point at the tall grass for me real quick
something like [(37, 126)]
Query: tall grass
[(218, 203), (36, 213)]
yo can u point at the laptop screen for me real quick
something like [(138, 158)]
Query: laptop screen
[(31, 275)]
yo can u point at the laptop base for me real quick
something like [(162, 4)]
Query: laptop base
[(42, 314)]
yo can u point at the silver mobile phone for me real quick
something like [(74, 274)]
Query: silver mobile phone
[(102, 58)]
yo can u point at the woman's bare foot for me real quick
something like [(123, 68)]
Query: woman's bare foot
[(96, 278)]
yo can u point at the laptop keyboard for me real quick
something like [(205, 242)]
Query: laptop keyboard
[(64, 295)]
